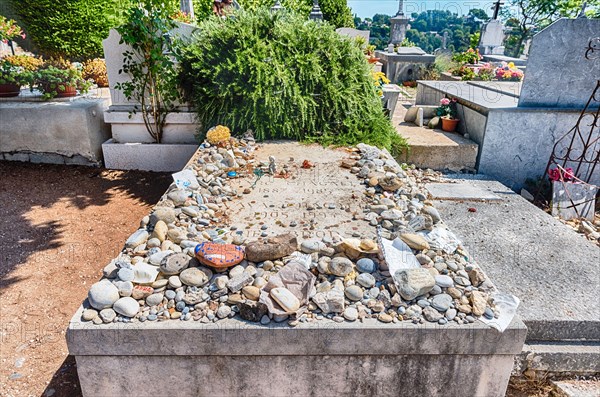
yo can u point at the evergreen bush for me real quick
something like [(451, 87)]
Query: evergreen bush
[(284, 77), (336, 12)]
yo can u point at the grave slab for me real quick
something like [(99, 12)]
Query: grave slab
[(323, 358), (461, 192), (528, 253)]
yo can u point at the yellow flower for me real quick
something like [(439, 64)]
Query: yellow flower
[(511, 65), (218, 134)]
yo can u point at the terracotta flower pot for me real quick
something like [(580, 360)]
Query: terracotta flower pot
[(9, 90), (69, 91), (449, 125)]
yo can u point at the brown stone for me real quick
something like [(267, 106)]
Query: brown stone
[(414, 241), (454, 292), (251, 292), (141, 292), (478, 302), (477, 277), (275, 248)]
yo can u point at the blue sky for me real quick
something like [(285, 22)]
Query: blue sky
[(367, 8)]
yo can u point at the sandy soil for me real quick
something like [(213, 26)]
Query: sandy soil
[(59, 226)]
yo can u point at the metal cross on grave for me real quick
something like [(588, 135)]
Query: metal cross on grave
[(496, 9)]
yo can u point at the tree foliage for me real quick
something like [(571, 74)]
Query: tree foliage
[(283, 77), (526, 17), (427, 29), (336, 12), (68, 28)]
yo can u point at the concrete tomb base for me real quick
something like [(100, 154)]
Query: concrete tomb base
[(159, 157), (233, 358)]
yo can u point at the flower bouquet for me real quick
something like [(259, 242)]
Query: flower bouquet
[(509, 72)]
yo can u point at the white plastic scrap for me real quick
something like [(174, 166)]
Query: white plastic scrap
[(442, 238), (397, 255), (507, 305), (186, 179)]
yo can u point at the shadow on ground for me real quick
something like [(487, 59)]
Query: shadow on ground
[(24, 186)]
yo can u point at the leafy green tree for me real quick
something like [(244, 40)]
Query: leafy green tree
[(479, 14), (529, 16), (69, 28), (335, 12)]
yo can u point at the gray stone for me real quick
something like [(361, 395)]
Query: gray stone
[(126, 306), (89, 314), (193, 276), (365, 265), (340, 266), (165, 214), (351, 314), (431, 314), (223, 311), (413, 282), (366, 280), (441, 302), (107, 315), (312, 245), (126, 274), (444, 281), (450, 314), (154, 299), (174, 264), (103, 294), (178, 196), (354, 293), (139, 237), (236, 283)]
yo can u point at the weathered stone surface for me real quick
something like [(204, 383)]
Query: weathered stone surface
[(126, 306), (275, 248), (331, 301), (174, 264), (340, 266), (160, 231), (238, 282), (413, 282), (193, 276), (103, 294), (478, 302), (139, 237)]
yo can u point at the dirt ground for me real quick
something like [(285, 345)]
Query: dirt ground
[(59, 226)]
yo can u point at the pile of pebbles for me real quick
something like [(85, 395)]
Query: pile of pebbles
[(157, 276)]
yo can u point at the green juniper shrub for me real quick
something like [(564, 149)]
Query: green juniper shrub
[(284, 77)]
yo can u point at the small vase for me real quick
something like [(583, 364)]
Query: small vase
[(9, 90), (69, 91), (449, 125)]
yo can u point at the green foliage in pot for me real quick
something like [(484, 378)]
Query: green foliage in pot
[(149, 63), (10, 74), (52, 81), (284, 77)]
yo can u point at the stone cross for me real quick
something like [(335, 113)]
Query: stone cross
[(187, 7), (497, 6), (400, 7)]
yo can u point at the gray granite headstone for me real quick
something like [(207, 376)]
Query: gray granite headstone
[(492, 37), (558, 73)]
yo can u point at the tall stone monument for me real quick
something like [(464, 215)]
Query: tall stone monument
[(400, 23), (492, 34)]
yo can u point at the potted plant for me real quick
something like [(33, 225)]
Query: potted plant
[(12, 78), (61, 83), (447, 112)]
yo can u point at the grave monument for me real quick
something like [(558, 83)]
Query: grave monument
[(517, 124), (492, 34), (400, 23)]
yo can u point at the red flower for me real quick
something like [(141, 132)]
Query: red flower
[(554, 174)]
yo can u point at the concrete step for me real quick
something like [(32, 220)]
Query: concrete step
[(576, 388), (437, 149), (560, 358)]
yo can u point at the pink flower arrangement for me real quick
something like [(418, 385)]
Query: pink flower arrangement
[(445, 102), (555, 175), (509, 72)]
